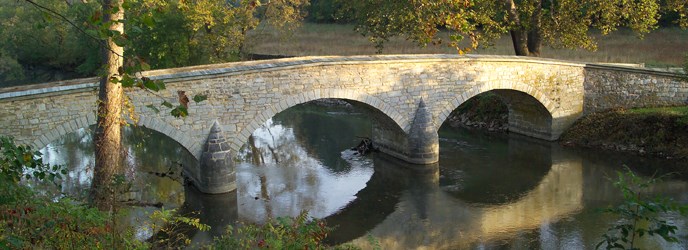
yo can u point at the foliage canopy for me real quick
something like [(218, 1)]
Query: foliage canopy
[(164, 34), (531, 23)]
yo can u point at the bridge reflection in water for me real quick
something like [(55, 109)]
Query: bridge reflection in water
[(504, 188), (429, 217), (404, 205)]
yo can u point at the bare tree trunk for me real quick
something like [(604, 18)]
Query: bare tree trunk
[(519, 36), (108, 137), (535, 32)]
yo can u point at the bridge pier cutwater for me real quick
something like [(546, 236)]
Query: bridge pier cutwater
[(409, 97), (419, 146), (216, 173)]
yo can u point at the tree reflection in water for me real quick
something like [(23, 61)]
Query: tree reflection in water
[(279, 177)]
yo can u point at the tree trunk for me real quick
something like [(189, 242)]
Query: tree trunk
[(520, 41), (534, 43), (519, 36), (535, 32), (108, 150)]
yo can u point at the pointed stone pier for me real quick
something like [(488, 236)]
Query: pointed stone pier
[(423, 141), (419, 146), (216, 173)]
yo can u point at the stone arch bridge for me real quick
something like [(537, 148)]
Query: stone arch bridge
[(409, 97)]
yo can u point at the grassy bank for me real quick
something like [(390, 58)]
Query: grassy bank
[(664, 47), (661, 132), (650, 131)]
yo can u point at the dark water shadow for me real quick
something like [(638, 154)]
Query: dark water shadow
[(392, 177), (493, 169)]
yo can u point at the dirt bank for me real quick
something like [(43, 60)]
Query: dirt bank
[(659, 132), (484, 111)]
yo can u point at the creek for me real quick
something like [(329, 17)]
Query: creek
[(489, 191)]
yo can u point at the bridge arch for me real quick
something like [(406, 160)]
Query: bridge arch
[(399, 120), (544, 108), (47, 137), (85, 122), (168, 130)]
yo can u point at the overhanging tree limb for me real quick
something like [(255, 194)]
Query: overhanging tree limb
[(77, 27)]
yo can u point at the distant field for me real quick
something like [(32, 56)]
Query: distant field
[(661, 48)]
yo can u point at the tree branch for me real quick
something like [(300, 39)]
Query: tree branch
[(64, 18)]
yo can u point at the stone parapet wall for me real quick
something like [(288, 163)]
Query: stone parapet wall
[(37, 121), (608, 87)]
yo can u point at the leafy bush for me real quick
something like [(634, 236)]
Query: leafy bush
[(38, 222), (17, 161), (30, 220), (282, 233), (639, 215), (172, 228)]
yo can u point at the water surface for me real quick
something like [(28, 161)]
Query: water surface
[(489, 191)]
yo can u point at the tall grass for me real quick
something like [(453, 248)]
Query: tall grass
[(663, 47)]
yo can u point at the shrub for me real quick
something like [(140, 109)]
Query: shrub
[(30, 220), (17, 161), (300, 232), (65, 224), (639, 215)]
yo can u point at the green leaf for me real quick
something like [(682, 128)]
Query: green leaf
[(148, 20), (126, 5), (167, 104), (121, 41), (200, 98), (150, 106), (160, 83), (127, 81), (131, 70), (179, 111), (150, 85)]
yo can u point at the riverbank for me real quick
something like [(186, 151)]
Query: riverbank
[(661, 132), (485, 112)]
